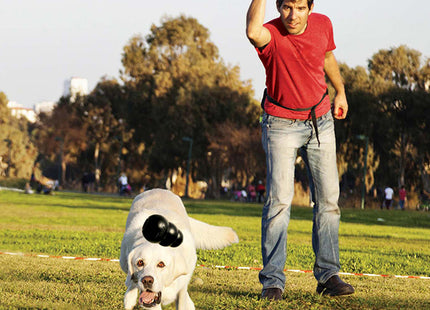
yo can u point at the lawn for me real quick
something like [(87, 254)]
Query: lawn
[(70, 224)]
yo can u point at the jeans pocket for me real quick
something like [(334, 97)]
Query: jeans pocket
[(279, 122)]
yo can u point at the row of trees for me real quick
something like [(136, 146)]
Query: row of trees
[(174, 85), (389, 104)]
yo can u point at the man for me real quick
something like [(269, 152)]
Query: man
[(296, 51)]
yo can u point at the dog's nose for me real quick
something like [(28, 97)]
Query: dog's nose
[(147, 281)]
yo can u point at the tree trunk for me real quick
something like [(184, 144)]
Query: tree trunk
[(96, 166), (402, 159)]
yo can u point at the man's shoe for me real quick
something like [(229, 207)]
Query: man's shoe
[(335, 287), (272, 294)]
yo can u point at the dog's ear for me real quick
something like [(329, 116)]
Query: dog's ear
[(130, 266), (180, 264)]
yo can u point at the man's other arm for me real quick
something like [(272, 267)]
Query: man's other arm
[(331, 68), (257, 34)]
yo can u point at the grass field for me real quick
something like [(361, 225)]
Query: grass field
[(70, 224)]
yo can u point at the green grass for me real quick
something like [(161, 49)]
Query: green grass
[(71, 224)]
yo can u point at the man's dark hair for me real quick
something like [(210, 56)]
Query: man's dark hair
[(279, 2)]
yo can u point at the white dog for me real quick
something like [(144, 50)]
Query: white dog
[(158, 271)]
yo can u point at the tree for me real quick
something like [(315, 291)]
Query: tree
[(17, 152), (181, 88), (62, 136), (397, 66), (362, 119), (106, 131), (400, 70)]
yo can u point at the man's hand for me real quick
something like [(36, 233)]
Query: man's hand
[(331, 68), (340, 106)]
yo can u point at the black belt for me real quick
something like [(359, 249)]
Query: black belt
[(312, 109)]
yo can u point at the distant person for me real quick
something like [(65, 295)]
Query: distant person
[(252, 194), (85, 182), (244, 195), (261, 189), (237, 195), (388, 197), (402, 197), (124, 187)]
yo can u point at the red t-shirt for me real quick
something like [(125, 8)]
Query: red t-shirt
[(402, 194), (295, 67)]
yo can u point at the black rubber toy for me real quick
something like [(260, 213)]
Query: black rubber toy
[(157, 229), (178, 240)]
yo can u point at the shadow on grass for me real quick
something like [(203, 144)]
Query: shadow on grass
[(74, 201), (303, 299), (409, 218), (219, 207), (412, 219)]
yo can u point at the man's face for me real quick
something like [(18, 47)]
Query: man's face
[(294, 15)]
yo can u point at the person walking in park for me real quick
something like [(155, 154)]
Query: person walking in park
[(402, 197), (261, 189), (389, 192), (296, 50)]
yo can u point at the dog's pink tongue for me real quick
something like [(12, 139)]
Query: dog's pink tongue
[(147, 298)]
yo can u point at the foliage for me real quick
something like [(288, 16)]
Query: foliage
[(106, 129), (396, 66), (387, 105), (187, 92), (18, 183), (400, 108), (17, 152), (174, 85)]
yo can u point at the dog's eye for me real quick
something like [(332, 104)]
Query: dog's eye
[(161, 265), (140, 263)]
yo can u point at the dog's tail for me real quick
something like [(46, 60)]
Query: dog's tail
[(210, 237)]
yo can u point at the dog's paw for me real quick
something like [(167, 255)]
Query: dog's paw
[(130, 298)]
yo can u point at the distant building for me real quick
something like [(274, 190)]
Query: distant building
[(44, 107), (75, 86), (18, 111)]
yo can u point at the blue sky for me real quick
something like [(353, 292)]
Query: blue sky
[(44, 42)]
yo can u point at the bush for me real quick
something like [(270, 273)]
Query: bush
[(13, 182)]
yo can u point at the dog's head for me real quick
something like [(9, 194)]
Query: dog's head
[(152, 268)]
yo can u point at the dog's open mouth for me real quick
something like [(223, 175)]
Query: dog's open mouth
[(149, 298)]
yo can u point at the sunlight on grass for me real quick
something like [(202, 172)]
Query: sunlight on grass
[(92, 226)]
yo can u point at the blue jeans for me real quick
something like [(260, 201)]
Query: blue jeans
[(282, 139)]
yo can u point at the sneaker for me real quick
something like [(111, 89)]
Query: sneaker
[(335, 287), (272, 293)]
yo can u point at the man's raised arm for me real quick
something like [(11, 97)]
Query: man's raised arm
[(255, 31)]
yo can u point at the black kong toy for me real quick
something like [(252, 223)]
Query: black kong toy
[(157, 229)]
